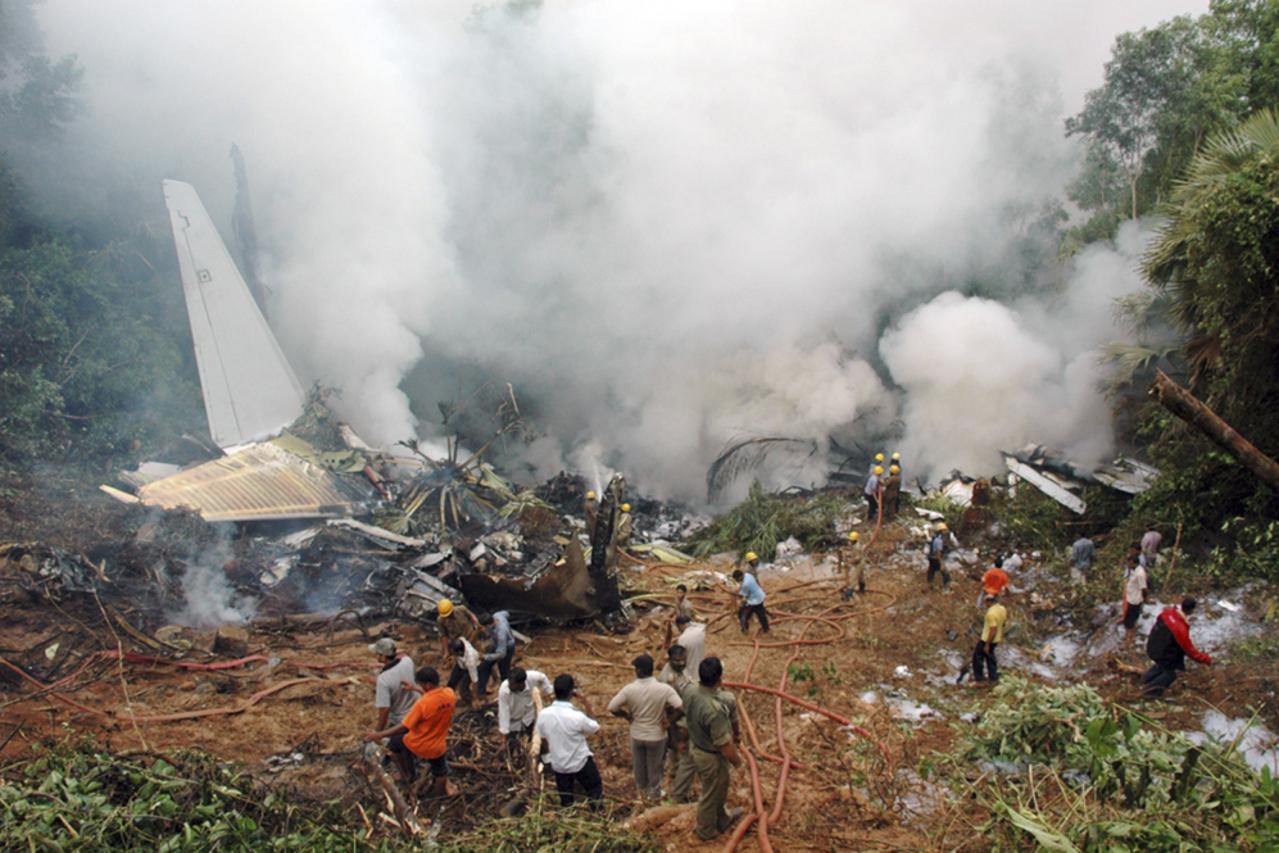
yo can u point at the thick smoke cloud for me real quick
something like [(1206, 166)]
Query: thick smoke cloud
[(669, 225)]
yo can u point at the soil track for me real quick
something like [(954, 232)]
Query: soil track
[(839, 795)]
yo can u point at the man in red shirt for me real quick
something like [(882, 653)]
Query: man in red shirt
[(424, 732), (1168, 646), (993, 582)]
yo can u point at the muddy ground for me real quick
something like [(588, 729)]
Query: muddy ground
[(889, 664)]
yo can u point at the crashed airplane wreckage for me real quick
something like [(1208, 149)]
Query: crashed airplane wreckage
[(1065, 481), (438, 528)]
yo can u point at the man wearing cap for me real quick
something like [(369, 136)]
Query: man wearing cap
[(646, 703), (456, 620), (892, 492), (710, 734), (992, 634), (390, 697), (854, 565), (752, 595), (591, 510), (424, 732), (502, 647), (564, 730), (516, 712), (873, 491)]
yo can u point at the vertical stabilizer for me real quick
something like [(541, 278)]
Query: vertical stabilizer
[(250, 391)]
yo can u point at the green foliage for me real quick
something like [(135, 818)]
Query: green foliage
[(1079, 774), (1167, 89), (762, 520), (74, 798), (543, 828), (89, 362)]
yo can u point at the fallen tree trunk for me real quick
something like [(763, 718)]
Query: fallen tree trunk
[(1190, 409)]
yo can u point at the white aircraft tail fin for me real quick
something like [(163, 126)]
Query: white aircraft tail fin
[(250, 391)]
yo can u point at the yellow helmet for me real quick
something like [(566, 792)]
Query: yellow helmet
[(894, 470), (752, 557), (590, 496), (626, 507), (896, 456), (879, 469), (942, 528), (854, 536), (879, 457), (445, 607)]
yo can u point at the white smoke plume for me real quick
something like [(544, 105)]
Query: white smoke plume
[(670, 225)]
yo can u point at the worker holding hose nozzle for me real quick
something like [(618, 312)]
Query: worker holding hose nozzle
[(710, 733), (752, 596), (853, 562)]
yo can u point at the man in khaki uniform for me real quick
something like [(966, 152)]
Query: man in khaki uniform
[(710, 734), (854, 565), (456, 620)]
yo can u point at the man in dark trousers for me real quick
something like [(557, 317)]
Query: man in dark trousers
[(710, 734), (1168, 646), (564, 730)]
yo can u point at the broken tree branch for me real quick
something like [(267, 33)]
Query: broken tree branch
[(1190, 409)]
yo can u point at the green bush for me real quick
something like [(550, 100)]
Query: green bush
[(763, 520)]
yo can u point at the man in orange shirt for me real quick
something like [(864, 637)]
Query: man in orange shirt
[(424, 732), (993, 582)]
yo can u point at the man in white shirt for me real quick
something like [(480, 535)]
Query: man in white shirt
[(646, 702), (564, 730), (516, 713), (693, 638), (466, 666), (1135, 586), (390, 698)]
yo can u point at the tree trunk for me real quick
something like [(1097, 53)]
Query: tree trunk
[(1190, 409)]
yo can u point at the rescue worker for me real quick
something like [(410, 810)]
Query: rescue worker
[(992, 634), (456, 620), (1168, 646), (424, 732), (710, 735), (993, 582), (683, 607), (625, 525), (752, 595), (873, 492), (646, 703), (675, 673), (391, 698), (1082, 553), (854, 565), (692, 638), (1135, 586), (1150, 542), (564, 730), (892, 492), (501, 648), (466, 664), (937, 554), (516, 712)]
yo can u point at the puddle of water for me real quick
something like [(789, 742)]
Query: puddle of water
[(1259, 746)]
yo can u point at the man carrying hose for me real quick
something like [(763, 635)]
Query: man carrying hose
[(873, 492), (854, 564), (710, 733), (752, 595), (892, 492)]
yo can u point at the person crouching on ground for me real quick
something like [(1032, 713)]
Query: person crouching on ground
[(466, 664), (992, 634), (1168, 646), (424, 732)]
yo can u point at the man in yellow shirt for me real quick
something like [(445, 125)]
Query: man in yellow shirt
[(992, 634)]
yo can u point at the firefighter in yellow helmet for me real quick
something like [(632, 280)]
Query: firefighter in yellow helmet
[(622, 529), (892, 492), (874, 492), (456, 620), (853, 562)]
